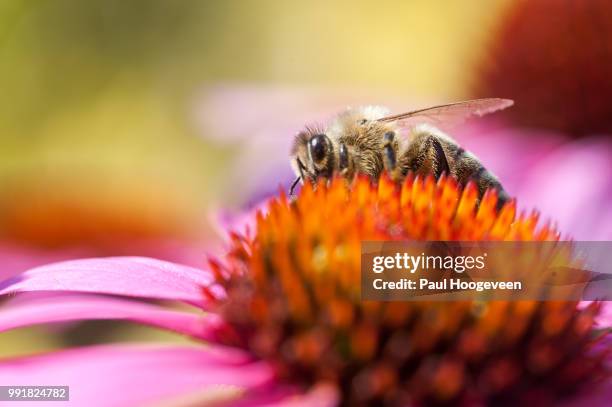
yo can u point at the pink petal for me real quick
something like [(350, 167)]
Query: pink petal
[(599, 396), (16, 258), (578, 195), (321, 395), (509, 153), (604, 319), (116, 376), (65, 308), (242, 222), (129, 276), (282, 396)]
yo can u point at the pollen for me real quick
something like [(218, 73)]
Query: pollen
[(293, 299)]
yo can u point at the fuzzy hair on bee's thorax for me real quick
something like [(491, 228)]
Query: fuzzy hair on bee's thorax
[(360, 131)]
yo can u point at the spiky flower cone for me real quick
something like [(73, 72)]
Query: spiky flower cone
[(293, 299)]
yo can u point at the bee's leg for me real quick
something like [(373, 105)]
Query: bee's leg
[(390, 158), (441, 163), (343, 159), (299, 178), (293, 185), (502, 198), (424, 156)]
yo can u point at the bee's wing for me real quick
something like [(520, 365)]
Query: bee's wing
[(449, 115)]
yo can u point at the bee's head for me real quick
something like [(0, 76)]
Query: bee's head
[(313, 155)]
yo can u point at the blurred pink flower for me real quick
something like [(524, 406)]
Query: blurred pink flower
[(564, 178)]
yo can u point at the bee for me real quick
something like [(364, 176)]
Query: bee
[(369, 141)]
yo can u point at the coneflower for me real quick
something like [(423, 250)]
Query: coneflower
[(293, 298), (285, 322)]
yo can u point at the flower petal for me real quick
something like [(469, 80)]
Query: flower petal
[(118, 376), (63, 308), (16, 258), (322, 395), (242, 222), (575, 197), (604, 319), (128, 276), (599, 396)]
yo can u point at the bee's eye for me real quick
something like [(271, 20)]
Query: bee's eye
[(318, 147)]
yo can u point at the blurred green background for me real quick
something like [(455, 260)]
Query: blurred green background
[(100, 136)]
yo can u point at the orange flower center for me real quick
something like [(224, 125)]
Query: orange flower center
[(294, 300)]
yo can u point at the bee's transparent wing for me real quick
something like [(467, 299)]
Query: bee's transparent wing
[(449, 115)]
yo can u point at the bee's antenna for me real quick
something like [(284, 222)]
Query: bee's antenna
[(294, 185)]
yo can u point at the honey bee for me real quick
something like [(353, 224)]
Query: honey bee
[(368, 141)]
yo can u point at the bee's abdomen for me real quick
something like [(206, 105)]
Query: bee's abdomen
[(466, 167)]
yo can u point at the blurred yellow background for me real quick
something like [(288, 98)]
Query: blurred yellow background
[(99, 133)]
